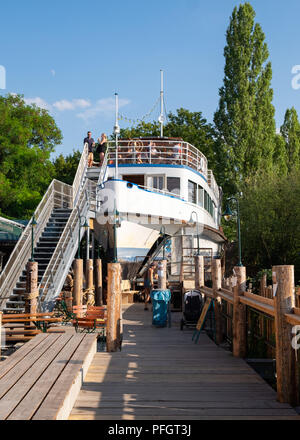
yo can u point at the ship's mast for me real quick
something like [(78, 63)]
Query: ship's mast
[(117, 132), (161, 116)]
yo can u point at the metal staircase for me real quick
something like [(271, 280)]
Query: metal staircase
[(55, 240), (42, 254)]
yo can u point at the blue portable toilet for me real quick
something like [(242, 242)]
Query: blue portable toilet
[(160, 299)]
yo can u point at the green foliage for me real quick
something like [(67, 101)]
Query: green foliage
[(270, 213), (65, 167), (290, 131), (28, 135), (244, 121)]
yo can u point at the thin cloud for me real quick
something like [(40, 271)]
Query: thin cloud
[(104, 106), (64, 104), (39, 102), (53, 73)]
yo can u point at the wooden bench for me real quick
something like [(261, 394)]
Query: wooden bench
[(42, 379), (24, 326), (89, 318)]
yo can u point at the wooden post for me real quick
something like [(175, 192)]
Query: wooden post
[(31, 287), (285, 355), (90, 300), (68, 292), (162, 274), (239, 314), (1, 332), (114, 308), (99, 289), (78, 274), (217, 284), (199, 271)]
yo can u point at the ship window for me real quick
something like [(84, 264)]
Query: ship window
[(173, 185), (192, 191), (200, 195), (206, 200), (156, 182)]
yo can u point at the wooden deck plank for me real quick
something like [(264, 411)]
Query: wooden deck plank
[(18, 355), (59, 402), (161, 374), (28, 379), (9, 380), (31, 402)]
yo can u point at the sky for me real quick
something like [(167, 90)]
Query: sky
[(72, 56)]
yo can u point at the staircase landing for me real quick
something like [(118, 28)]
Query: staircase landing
[(161, 374)]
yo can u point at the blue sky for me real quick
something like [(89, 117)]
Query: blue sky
[(72, 56)]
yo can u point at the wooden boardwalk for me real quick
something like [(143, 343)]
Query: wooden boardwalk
[(161, 374)]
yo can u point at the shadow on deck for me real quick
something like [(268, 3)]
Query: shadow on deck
[(161, 374)]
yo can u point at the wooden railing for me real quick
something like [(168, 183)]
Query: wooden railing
[(240, 314)]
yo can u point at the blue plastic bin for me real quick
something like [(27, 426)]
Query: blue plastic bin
[(160, 299)]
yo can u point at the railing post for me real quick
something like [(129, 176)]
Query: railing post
[(99, 290), (199, 271), (78, 275), (217, 284), (114, 308), (239, 314), (32, 293), (285, 355)]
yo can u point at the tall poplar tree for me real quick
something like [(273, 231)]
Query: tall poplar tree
[(290, 131), (244, 120)]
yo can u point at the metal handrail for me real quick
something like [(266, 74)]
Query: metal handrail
[(160, 191), (80, 173), (65, 250), (162, 151), (56, 195), (103, 168)]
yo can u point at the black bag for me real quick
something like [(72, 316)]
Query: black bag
[(192, 308)]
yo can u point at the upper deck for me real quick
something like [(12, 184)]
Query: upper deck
[(161, 151)]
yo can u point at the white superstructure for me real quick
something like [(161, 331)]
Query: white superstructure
[(159, 184)]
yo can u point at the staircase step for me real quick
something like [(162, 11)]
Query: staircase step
[(11, 309), (49, 239), (9, 302)]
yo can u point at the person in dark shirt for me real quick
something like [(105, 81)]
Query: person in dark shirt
[(91, 143)]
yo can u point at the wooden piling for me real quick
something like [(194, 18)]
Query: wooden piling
[(162, 274), (216, 285), (199, 271), (32, 294), (78, 275), (239, 314), (285, 355), (99, 286), (114, 308), (90, 282)]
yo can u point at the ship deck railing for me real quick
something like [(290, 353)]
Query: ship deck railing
[(159, 152)]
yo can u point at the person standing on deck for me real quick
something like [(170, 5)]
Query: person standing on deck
[(102, 145), (148, 284), (91, 143)]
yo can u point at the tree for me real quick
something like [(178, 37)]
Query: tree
[(190, 126), (28, 134), (290, 131), (244, 120), (65, 167), (270, 214)]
